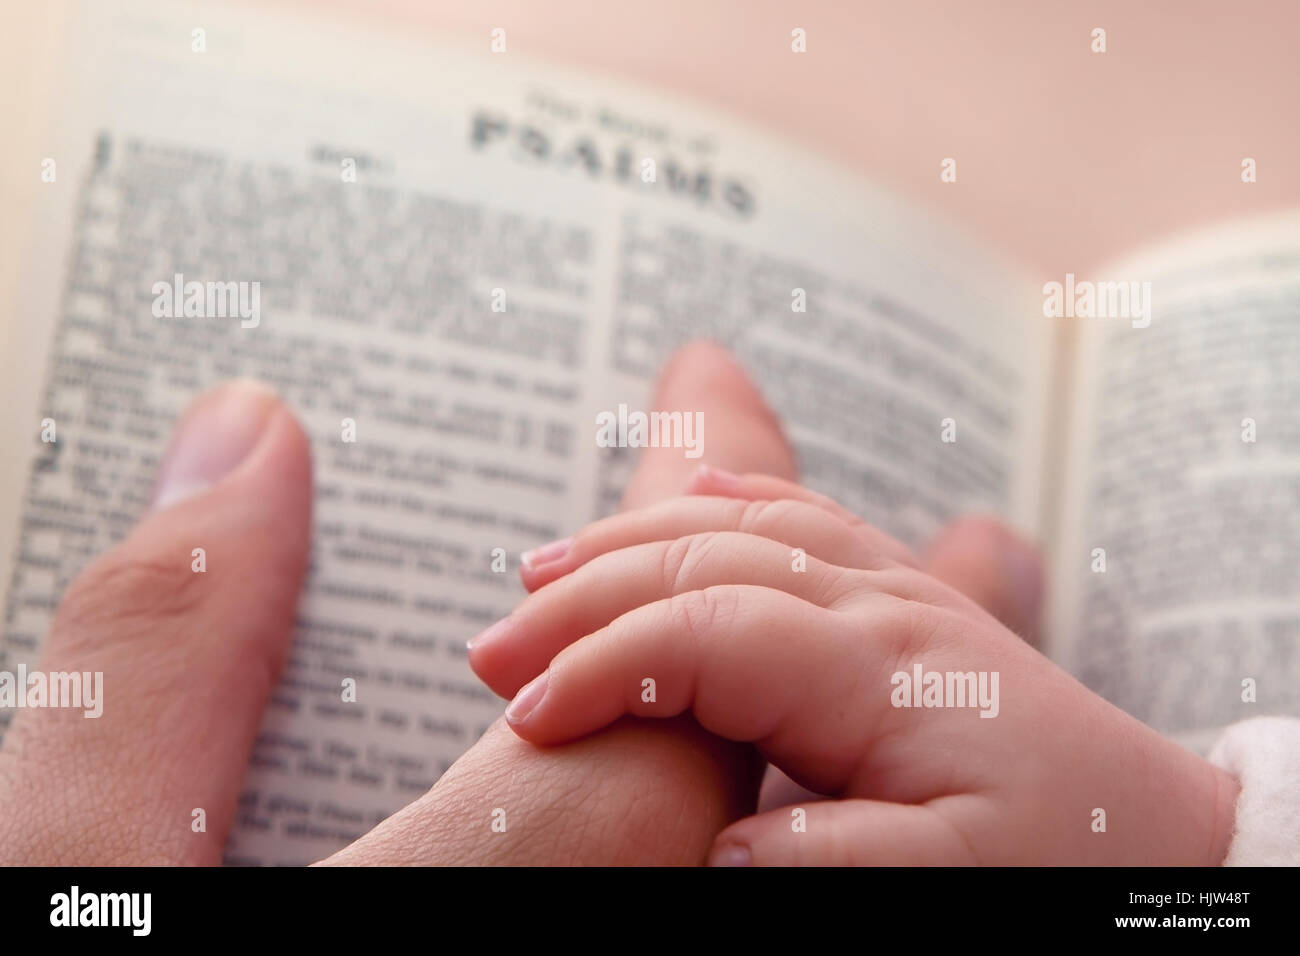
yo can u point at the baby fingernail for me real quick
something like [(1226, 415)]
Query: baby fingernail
[(491, 635), (213, 437), (733, 854), (526, 700), (717, 479), (546, 553)]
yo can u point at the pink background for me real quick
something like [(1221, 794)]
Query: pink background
[(1064, 157)]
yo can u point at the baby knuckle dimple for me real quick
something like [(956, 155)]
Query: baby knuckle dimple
[(673, 561), (755, 516), (700, 615), (931, 617), (911, 584), (683, 556), (907, 628), (775, 517), (839, 588)]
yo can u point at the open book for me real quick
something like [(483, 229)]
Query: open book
[(470, 257)]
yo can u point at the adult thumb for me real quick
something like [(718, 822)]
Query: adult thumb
[(740, 432), (993, 566), (189, 622)]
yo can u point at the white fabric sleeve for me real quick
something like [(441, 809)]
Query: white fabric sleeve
[(1264, 755)]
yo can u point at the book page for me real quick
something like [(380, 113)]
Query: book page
[(465, 256), (1184, 468)]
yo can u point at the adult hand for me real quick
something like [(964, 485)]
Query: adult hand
[(189, 661)]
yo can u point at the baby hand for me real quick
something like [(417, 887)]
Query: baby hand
[(776, 617)]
